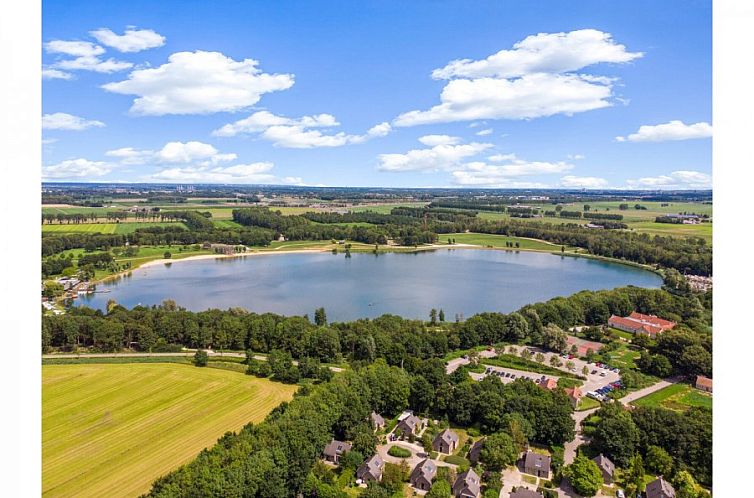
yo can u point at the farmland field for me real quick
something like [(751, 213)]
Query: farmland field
[(110, 430), (482, 239)]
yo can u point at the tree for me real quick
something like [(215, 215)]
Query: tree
[(585, 370), (517, 328), (570, 365), (539, 357), (167, 255), (201, 358), (440, 489), (393, 476), (320, 317), (441, 315), (584, 475), (635, 476), (433, 317), (616, 434), (554, 338), (52, 290), (659, 461), (499, 451), (686, 486)]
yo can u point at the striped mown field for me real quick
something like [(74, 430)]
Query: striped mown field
[(112, 429), (119, 228)]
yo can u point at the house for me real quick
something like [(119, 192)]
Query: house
[(574, 394), (537, 464), (524, 493), (548, 384), (423, 475), (371, 470), (475, 451), (606, 467), (467, 485), (659, 488), (377, 421), (411, 425), (445, 442), (703, 383), (637, 323), (335, 450)]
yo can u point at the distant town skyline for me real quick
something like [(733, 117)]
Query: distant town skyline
[(379, 94)]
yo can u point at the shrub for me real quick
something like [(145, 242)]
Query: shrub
[(201, 358), (398, 452)]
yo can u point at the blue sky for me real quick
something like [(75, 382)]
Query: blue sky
[(587, 94)]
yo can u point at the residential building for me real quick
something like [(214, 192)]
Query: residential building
[(537, 464), (637, 323), (371, 470), (703, 383), (606, 467), (410, 425), (548, 384), (445, 442), (475, 451), (659, 488), (377, 421), (335, 450), (423, 475), (524, 493), (574, 394), (467, 485)]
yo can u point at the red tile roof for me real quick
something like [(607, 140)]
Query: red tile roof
[(548, 384), (634, 322), (702, 381)]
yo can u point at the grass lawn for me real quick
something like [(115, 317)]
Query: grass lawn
[(110, 430), (529, 479), (498, 241), (587, 404), (518, 363), (675, 397), (119, 228)]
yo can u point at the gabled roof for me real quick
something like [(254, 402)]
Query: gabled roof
[(373, 465), (524, 493), (573, 393), (336, 448), (548, 384), (468, 480), (703, 381), (426, 468), (475, 450), (660, 488), (448, 436), (412, 421), (537, 461), (604, 464)]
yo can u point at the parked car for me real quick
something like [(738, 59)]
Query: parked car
[(603, 374), (594, 372), (620, 494)]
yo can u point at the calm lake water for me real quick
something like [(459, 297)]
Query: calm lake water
[(463, 281)]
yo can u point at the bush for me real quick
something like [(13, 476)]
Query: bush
[(398, 452), (201, 358), (167, 255)]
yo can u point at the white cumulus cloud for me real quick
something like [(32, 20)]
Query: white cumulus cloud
[(672, 131), (570, 181), (537, 78), (432, 140), (198, 83), (543, 53), (680, 180), (254, 173), (74, 48), (297, 133), (191, 152), (55, 74), (64, 121), (133, 40), (445, 155), (76, 169), (86, 58)]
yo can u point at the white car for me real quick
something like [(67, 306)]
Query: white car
[(620, 494)]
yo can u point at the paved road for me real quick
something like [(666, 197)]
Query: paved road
[(578, 417), (162, 355)]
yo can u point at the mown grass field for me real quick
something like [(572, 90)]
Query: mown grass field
[(676, 397), (119, 228), (482, 239), (110, 430)]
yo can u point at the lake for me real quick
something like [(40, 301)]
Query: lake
[(459, 281)]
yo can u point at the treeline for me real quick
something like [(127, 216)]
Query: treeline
[(668, 442), (276, 458), (393, 338), (603, 216)]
